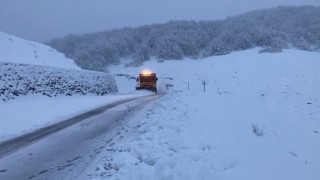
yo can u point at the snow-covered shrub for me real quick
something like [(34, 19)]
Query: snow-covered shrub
[(140, 56), (257, 130), (167, 48), (128, 76), (19, 80)]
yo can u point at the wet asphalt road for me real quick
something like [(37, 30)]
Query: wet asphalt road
[(63, 150)]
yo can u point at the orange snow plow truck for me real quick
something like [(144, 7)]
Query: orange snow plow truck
[(147, 80)]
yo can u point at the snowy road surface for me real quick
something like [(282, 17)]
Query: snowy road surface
[(62, 155), (23, 140)]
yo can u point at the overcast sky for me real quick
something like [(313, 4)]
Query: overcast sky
[(42, 20)]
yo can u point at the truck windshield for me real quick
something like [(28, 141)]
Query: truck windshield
[(147, 79)]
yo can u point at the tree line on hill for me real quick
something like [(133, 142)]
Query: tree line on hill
[(271, 29)]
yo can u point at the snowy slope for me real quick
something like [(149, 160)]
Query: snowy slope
[(17, 50), (33, 78), (191, 134), (32, 68)]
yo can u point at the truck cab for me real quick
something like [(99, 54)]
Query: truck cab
[(147, 80)]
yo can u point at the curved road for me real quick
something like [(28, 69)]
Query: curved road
[(63, 150)]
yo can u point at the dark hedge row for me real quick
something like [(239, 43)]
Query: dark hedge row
[(19, 80)]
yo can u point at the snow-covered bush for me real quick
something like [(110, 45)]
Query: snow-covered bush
[(18, 80), (257, 130)]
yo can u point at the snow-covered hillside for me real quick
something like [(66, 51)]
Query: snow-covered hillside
[(259, 118), (17, 50), (36, 85), (32, 68)]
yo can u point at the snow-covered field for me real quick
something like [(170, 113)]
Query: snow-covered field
[(192, 134)]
